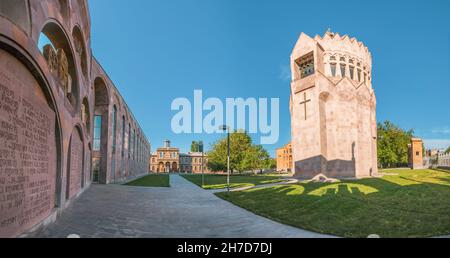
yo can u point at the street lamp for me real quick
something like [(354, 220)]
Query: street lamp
[(200, 148), (227, 129)]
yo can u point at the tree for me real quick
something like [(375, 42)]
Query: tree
[(393, 145), (244, 155), (195, 146), (448, 150)]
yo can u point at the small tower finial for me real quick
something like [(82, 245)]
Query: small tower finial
[(329, 32)]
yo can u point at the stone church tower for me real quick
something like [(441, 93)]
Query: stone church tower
[(333, 108)]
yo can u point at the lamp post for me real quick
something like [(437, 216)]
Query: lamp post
[(200, 148), (227, 129)]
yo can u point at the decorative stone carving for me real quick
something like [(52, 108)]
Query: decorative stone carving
[(83, 114), (69, 84), (63, 71), (78, 46), (50, 57)]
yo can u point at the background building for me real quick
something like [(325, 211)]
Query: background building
[(166, 159), (284, 158), (415, 153), (169, 159)]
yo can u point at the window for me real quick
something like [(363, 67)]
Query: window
[(352, 70), (123, 136), (114, 122), (129, 141), (343, 66), (161, 155), (97, 132), (134, 144), (359, 75), (417, 153), (333, 69), (332, 58), (306, 65)]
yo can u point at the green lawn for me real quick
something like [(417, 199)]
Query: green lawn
[(151, 181), (236, 181), (409, 204)]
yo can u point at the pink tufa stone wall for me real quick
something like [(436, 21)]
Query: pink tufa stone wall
[(47, 106), (337, 137)]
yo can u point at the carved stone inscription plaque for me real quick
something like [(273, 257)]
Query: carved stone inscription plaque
[(76, 164), (27, 150)]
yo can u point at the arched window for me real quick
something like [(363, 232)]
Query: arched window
[(114, 129), (97, 132), (343, 68), (56, 49), (85, 115), (333, 69), (134, 144), (80, 49), (352, 71), (123, 136), (129, 141), (306, 65)]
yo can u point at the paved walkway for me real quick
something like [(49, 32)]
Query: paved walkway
[(183, 210)]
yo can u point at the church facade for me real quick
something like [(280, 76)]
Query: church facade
[(168, 159), (333, 108)]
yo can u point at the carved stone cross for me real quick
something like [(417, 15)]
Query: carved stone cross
[(304, 102)]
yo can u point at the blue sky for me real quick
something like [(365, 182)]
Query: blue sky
[(156, 51)]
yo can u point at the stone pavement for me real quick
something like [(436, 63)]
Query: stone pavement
[(183, 210)]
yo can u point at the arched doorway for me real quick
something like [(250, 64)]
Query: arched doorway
[(100, 136), (174, 167), (85, 115), (160, 167), (167, 168), (114, 144), (75, 166)]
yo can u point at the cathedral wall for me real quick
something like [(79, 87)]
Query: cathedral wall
[(47, 110)]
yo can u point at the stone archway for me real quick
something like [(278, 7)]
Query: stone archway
[(174, 167), (61, 62), (75, 165), (29, 145), (160, 167), (167, 167), (80, 49), (101, 131)]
